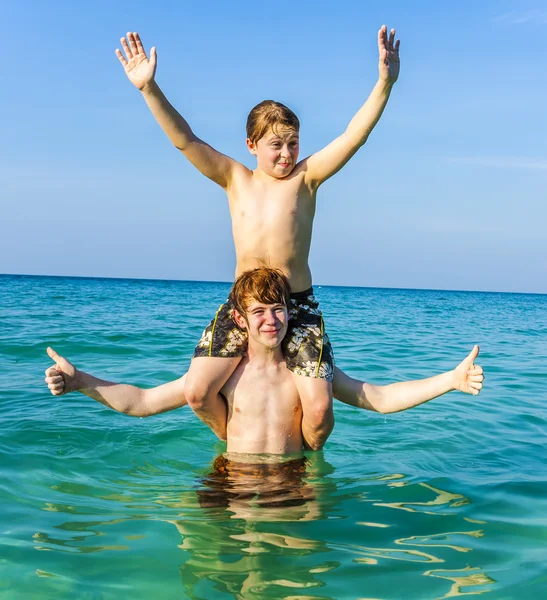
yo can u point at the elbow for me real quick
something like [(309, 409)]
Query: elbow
[(381, 402), (138, 407), (382, 408), (136, 411)]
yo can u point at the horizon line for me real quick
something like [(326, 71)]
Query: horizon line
[(316, 285)]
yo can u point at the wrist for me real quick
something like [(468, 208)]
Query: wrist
[(384, 85), (80, 380), (149, 89), (454, 381)]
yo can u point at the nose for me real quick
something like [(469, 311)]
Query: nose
[(285, 152), (271, 317)]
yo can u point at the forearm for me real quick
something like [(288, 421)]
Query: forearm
[(129, 399), (394, 397), (123, 398), (172, 123), (369, 114)]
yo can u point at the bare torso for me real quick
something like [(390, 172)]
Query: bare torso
[(272, 223), (264, 409)]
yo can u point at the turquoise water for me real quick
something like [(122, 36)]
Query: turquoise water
[(444, 500)]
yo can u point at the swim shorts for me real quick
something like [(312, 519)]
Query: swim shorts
[(306, 347), (264, 485)]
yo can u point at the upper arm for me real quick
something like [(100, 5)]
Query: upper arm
[(165, 397), (328, 161), (213, 164)]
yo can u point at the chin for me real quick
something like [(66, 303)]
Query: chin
[(273, 342)]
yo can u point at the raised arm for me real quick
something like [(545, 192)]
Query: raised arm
[(141, 71), (63, 378), (395, 397), (328, 161)]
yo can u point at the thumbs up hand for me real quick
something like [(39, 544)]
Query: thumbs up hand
[(62, 377), (469, 376)]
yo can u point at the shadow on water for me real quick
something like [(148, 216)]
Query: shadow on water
[(262, 530)]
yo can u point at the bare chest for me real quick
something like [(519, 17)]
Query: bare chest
[(277, 206), (261, 395)]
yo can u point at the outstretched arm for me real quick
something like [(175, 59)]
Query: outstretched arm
[(395, 397), (64, 378), (141, 71), (328, 161)]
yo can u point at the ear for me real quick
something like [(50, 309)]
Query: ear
[(239, 319), (251, 146)]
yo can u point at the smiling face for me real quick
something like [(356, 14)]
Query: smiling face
[(276, 151), (266, 324)]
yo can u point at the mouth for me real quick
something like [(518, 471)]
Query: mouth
[(283, 165)]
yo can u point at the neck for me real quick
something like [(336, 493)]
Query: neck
[(262, 175), (264, 356)]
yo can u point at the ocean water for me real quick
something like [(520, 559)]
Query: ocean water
[(447, 499)]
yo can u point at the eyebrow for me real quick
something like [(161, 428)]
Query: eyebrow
[(278, 305), (276, 138)]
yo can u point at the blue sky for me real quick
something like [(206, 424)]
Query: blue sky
[(449, 192)]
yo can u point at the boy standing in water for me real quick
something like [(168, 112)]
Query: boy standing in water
[(272, 210)]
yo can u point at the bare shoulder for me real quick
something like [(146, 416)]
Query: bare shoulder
[(302, 170), (241, 177)]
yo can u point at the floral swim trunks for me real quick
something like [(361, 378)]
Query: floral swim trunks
[(306, 346)]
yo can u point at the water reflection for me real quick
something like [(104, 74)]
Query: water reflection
[(474, 577), (441, 498), (271, 530), (240, 552)]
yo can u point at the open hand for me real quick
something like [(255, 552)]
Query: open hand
[(139, 69), (469, 376), (388, 50), (61, 378)]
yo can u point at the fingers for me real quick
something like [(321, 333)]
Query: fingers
[(132, 43), (474, 353), (475, 388), (478, 377), (153, 56), (121, 57), (382, 38), (51, 372), (52, 354), (140, 47), (55, 382), (126, 49), (391, 39), (132, 47), (475, 370), (475, 377)]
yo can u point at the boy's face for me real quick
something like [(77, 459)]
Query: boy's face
[(276, 152), (266, 324)]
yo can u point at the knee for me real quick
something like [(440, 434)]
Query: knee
[(196, 392), (321, 415)]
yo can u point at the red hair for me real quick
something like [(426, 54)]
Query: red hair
[(264, 284), (267, 115)]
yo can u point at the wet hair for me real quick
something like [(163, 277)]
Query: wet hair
[(267, 115), (264, 284)]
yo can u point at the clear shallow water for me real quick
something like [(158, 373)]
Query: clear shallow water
[(447, 499)]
